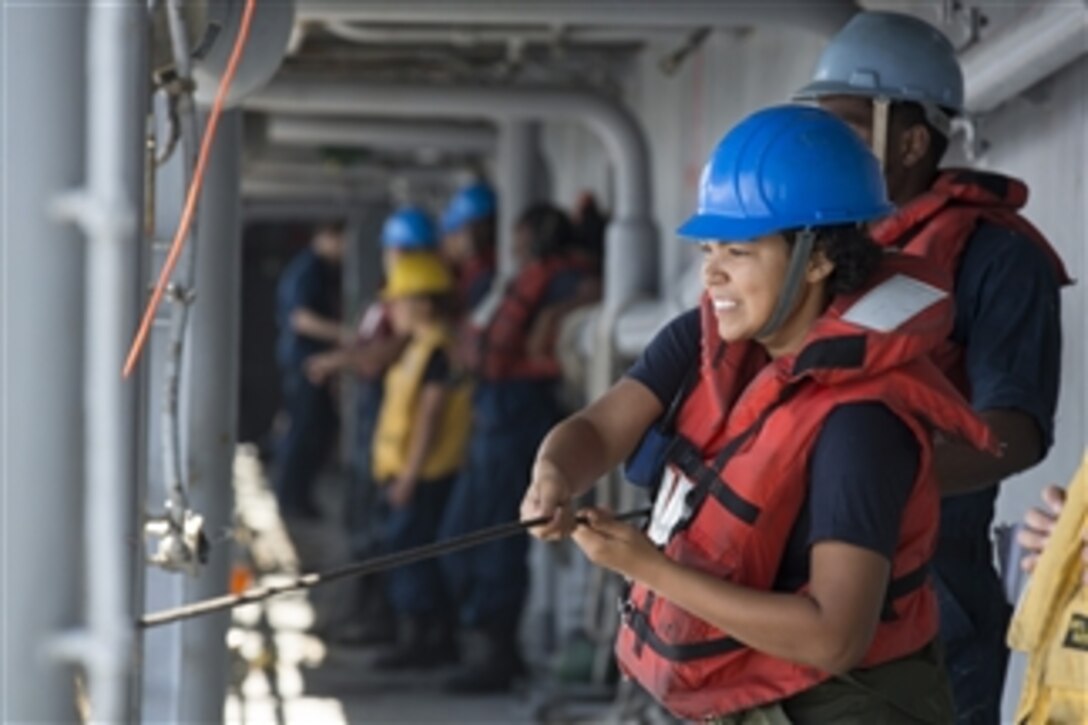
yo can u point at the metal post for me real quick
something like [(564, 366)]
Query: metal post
[(41, 354), (210, 394), (109, 212), (521, 181), (161, 649)]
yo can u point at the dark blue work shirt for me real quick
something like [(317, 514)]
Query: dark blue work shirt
[(311, 283), (861, 473), (1008, 318)]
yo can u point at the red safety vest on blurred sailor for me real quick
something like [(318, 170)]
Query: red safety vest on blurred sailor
[(938, 224), (503, 324)]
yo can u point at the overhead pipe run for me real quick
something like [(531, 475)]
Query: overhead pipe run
[(631, 241), (824, 17), (459, 37), (1047, 38), (263, 189), (617, 128), (400, 135)]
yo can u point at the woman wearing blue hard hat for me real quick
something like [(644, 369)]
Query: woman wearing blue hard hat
[(787, 423)]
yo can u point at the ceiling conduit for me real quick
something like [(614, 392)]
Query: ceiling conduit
[(824, 17), (400, 135), (631, 237), (1048, 37)]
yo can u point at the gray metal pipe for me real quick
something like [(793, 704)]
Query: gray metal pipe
[(109, 212), (824, 17), (615, 125), (518, 174), (387, 135), (41, 359), (494, 35), (210, 393), (265, 189), (1048, 37), (300, 210)]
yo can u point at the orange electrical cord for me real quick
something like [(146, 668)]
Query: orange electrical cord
[(195, 185)]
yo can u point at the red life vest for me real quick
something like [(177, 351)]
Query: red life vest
[(503, 354), (938, 224), (738, 476)]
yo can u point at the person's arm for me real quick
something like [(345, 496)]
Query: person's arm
[(373, 358), (830, 626), (308, 323), (1039, 524), (584, 447), (962, 468), (591, 442), (368, 360), (1008, 318)]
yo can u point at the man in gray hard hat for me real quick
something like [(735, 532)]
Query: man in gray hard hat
[(896, 80)]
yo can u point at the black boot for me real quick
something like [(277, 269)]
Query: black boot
[(491, 663)]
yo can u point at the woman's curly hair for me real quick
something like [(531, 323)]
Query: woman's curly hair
[(853, 252)]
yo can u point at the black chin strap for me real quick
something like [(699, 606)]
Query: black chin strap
[(791, 288)]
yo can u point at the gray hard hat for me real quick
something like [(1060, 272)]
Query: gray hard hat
[(893, 56)]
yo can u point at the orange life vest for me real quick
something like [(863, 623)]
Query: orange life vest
[(502, 345), (938, 224), (738, 476)]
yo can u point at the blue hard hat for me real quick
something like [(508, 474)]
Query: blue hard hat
[(409, 228), (470, 203), (782, 168), (890, 55)]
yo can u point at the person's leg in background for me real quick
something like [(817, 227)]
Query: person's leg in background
[(310, 432), (491, 581), (974, 613), (417, 592)]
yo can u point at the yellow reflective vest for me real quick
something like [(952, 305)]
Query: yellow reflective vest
[(1051, 623), (403, 383)]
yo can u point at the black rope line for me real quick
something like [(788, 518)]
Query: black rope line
[(363, 568)]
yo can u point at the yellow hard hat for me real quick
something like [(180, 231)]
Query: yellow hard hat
[(418, 274)]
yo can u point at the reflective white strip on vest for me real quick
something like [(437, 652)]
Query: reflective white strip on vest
[(670, 506), (893, 302), (372, 320)]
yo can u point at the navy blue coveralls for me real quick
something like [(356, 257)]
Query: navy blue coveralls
[(1008, 320), (510, 419), (311, 283)]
